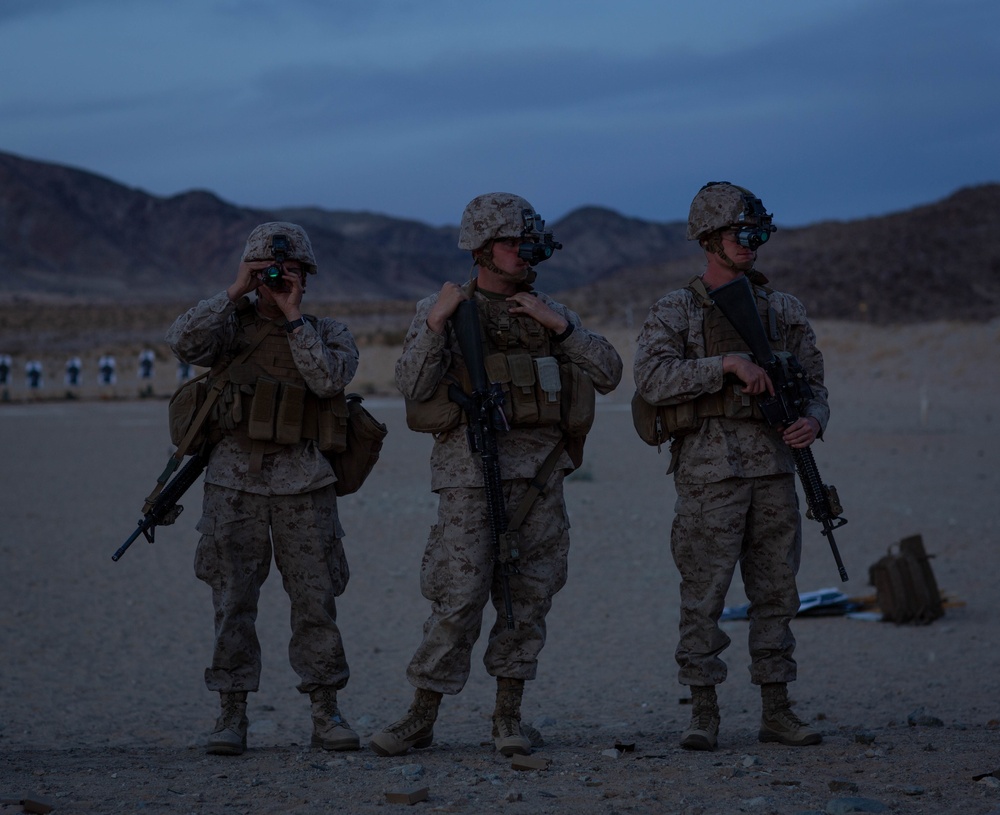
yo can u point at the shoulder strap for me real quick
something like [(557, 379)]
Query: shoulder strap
[(213, 394), (697, 287)]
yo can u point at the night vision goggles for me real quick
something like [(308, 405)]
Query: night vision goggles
[(755, 225), (541, 249), (273, 275)]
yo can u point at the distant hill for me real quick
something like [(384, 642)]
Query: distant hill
[(70, 235), (940, 261)]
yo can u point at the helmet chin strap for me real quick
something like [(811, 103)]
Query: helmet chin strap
[(714, 245), (484, 258)]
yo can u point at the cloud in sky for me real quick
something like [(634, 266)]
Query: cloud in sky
[(826, 109)]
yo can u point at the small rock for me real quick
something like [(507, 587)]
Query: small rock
[(409, 770), (842, 785), (920, 718)]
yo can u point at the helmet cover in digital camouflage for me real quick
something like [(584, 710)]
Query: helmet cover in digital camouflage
[(260, 244), (719, 205), (497, 215)]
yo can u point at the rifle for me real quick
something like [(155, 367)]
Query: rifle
[(164, 509), (484, 409), (737, 303)]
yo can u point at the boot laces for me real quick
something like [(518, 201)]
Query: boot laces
[(507, 726), (417, 719), (787, 719)]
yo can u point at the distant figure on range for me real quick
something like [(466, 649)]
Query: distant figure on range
[(74, 367), (734, 473), (6, 364), (106, 368), (145, 372), (33, 375), (527, 339), (269, 487)]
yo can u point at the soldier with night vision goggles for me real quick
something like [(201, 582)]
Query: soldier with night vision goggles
[(504, 378), (733, 467), (270, 488)]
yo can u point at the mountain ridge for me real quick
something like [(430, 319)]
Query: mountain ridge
[(69, 235)]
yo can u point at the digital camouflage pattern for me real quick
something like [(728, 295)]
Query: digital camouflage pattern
[(717, 206), (713, 531), (234, 558), (458, 574), (736, 498), (258, 246), (493, 215), (290, 504)]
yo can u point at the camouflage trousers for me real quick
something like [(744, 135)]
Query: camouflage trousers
[(459, 577), (754, 522), (239, 530)]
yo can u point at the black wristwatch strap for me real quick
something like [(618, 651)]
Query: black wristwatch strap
[(291, 325), (565, 334)]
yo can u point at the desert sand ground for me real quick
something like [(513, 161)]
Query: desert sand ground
[(103, 707)]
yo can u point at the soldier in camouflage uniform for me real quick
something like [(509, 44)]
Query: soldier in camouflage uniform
[(458, 574), (734, 473), (268, 484)]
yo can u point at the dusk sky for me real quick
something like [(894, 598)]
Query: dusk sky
[(826, 109)]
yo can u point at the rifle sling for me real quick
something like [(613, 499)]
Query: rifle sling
[(536, 487), (213, 394)]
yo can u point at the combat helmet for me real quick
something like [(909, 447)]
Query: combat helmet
[(261, 244), (497, 215), (720, 205)]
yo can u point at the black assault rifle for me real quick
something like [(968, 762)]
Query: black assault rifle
[(484, 409), (737, 303), (164, 509)]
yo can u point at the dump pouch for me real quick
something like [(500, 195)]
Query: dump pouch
[(184, 406), (655, 424), (435, 415), (363, 444)]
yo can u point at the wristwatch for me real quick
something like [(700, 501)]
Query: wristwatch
[(291, 325)]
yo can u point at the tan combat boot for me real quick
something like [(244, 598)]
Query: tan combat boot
[(703, 732), (415, 729), (229, 738), (330, 730), (778, 723), (508, 735)]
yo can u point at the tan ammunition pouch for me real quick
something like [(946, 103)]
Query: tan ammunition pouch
[(265, 403), (538, 388)]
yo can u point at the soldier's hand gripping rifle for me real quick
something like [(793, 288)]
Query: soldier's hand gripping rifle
[(484, 409), (791, 392), (161, 507)]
